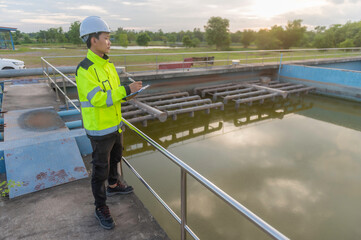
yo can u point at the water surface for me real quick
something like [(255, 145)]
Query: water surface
[(296, 164)]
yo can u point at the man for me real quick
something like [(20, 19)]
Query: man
[(100, 96)]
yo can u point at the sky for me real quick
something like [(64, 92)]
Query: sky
[(176, 15)]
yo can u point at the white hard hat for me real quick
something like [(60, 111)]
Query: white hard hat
[(92, 24)]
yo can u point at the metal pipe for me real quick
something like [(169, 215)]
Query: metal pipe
[(220, 94), (74, 124), (68, 113), (140, 119), (174, 95), (184, 104), (252, 99), (197, 108), (291, 87), (195, 90), (282, 93), (204, 92), (156, 94), (128, 108), (227, 98), (176, 100), (131, 113), (162, 116), (279, 85), (213, 188), (306, 89)]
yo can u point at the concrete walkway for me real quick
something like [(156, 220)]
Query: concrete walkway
[(35, 95), (67, 211)]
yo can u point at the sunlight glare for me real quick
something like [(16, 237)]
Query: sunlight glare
[(269, 9)]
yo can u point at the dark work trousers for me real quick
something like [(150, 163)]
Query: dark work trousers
[(107, 153)]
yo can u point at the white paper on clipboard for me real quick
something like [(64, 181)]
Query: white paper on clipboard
[(139, 91)]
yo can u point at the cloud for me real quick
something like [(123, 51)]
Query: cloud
[(89, 8), (43, 21), (181, 14)]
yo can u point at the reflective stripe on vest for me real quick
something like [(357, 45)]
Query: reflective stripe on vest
[(92, 93), (104, 131), (109, 100), (86, 104)]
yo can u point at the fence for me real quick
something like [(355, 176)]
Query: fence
[(155, 62)]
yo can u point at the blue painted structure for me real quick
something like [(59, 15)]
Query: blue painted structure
[(354, 66), (44, 165), (334, 82), (3, 40), (40, 159)]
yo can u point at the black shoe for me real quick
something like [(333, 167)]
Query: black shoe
[(119, 189), (104, 217)]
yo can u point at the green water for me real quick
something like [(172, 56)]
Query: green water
[(296, 164)]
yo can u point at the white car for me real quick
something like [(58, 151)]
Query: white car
[(6, 63)]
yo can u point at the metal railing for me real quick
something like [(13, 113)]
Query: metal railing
[(150, 62), (185, 170), (55, 82)]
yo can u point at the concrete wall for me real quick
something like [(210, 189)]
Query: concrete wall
[(334, 82)]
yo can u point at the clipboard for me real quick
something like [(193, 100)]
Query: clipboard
[(135, 93)]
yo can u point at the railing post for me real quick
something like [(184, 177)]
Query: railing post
[(183, 62), (56, 86), (207, 61), (183, 204), (125, 63), (66, 94), (42, 67), (156, 64), (48, 75)]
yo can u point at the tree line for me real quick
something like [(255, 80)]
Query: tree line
[(216, 33)]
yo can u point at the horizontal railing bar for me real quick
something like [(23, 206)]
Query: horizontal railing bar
[(220, 52), (55, 69), (56, 85)]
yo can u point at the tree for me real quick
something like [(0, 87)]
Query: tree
[(143, 39), (198, 34), (187, 42), (248, 36), (347, 43), (164, 39), (217, 32), (73, 33), (266, 40), (236, 37), (195, 42), (172, 38), (293, 34), (123, 40)]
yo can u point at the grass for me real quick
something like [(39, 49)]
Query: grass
[(32, 53)]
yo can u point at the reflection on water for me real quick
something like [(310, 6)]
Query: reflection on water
[(295, 163)]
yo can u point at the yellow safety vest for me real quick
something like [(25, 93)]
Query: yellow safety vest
[(100, 95)]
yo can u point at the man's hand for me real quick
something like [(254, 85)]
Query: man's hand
[(135, 86)]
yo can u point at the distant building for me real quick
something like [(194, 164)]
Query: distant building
[(6, 39)]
